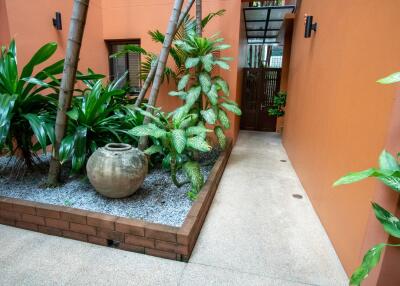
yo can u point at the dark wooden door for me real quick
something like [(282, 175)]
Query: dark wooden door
[(259, 88)]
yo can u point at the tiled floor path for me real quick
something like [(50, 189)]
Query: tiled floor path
[(256, 233)]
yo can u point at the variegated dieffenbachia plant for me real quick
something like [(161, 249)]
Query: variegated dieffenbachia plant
[(177, 136), (204, 94), (389, 174)]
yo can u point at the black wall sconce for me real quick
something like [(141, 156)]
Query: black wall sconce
[(57, 21), (310, 26)]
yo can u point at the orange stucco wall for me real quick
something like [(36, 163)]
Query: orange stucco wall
[(30, 23), (338, 118)]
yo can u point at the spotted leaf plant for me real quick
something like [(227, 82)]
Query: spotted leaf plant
[(203, 93), (389, 174), (176, 138)]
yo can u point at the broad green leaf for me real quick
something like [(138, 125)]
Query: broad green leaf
[(49, 128), (193, 172), (222, 65), (205, 82), (179, 140), (392, 181), (220, 136), (193, 96), (153, 149), (223, 118), (79, 154), (208, 61), (192, 62), (37, 127), (6, 107), (189, 120), (180, 94), (388, 162), (390, 223), (184, 46), (198, 143), (73, 114), (355, 177), (183, 82), (370, 260), (196, 130), (147, 130), (222, 47), (231, 107), (393, 78), (213, 95), (222, 84), (179, 114), (66, 148), (209, 116)]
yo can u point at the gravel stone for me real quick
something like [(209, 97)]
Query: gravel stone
[(158, 200)]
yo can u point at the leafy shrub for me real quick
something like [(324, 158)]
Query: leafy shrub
[(101, 115), (203, 94), (279, 104), (178, 138), (24, 112)]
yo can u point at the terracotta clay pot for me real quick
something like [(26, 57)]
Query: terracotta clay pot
[(117, 170)]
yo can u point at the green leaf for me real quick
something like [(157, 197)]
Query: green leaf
[(231, 107), (183, 82), (196, 130), (222, 65), (66, 148), (355, 177), (223, 118), (213, 95), (209, 116), (180, 94), (79, 154), (198, 143), (220, 136), (193, 96), (390, 223), (6, 107), (179, 140), (370, 260), (222, 47), (388, 162), (393, 78), (147, 130), (222, 84), (73, 114), (208, 61), (192, 62), (37, 127), (392, 181), (193, 172), (153, 150), (205, 82), (179, 114)]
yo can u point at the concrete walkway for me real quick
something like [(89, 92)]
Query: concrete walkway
[(256, 233)]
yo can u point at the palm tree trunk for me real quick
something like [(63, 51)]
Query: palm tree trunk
[(162, 60), (153, 69), (199, 27), (77, 26)]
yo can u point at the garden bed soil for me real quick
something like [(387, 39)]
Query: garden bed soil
[(167, 227)]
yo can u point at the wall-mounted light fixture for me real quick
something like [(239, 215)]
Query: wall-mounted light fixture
[(57, 21), (310, 26)]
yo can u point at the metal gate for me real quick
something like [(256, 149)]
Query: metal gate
[(260, 85)]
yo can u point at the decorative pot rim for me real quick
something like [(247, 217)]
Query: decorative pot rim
[(118, 147)]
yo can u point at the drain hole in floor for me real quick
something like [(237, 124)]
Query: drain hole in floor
[(112, 243), (283, 161), (297, 196)]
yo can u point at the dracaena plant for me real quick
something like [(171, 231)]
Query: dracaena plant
[(204, 94), (26, 114), (177, 136), (279, 103), (389, 174), (101, 115)]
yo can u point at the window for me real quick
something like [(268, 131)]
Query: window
[(129, 62)]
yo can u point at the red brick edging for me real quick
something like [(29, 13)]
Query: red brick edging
[(128, 234)]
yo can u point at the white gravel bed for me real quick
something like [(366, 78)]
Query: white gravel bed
[(158, 200)]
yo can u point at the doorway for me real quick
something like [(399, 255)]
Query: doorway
[(260, 85)]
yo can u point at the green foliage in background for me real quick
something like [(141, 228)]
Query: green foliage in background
[(278, 109)]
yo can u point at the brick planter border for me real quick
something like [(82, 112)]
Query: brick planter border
[(128, 234)]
